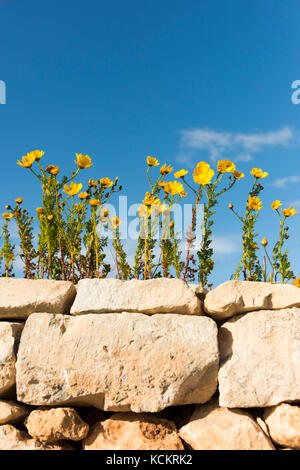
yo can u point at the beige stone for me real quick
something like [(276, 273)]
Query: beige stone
[(56, 424), (150, 297), (118, 362), (11, 412), (9, 339), (199, 290), (260, 359), (283, 422), (21, 297), (215, 428), (14, 439), (128, 431), (235, 297)]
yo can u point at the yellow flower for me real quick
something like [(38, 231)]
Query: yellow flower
[(254, 203), (203, 173), (7, 215), (183, 193), (172, 223), (73, 189), (17, 214), (230, 206), (289, 212), (106, 182), (19, 200), (238, 174), (37, 154), (105, 212), (52, 169), (180, 173), (144, 211), (297, 282), (115, 221), (275, 205), (83, 195), (27, 161), (225, 166), (94, 202), (166, 169), (150, 200), (173, 187), (50, 217), (151, 161), (264, 242), (83, 161), (40, 210), (258, 173), (162, 184), (93, 183)]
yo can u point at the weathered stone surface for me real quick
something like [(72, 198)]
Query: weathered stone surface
[(235, 297), (283, 422), (118, 362), (14, 439), (56, 424), (21, 297), (150, 297), (128, 431), (199, 290), (9, 338), (260, 359), (11, 412), (215, 428)]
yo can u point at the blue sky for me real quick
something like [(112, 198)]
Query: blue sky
[(181, 81)]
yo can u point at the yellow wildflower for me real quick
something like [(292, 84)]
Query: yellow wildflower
[(264, 242), (275, 205), (83, 195), (225, 166), (52, 169), (289, 212), (150, 200), (37, 154), (50, 217), (93, 183), (115, 221), (106, 182), (203, 173), (105, 212), (19, 200), (83, 161), (73, 189), (258, 173), (297, 282), (254, 203), (151, 161), (238, 174), (27, 161), (144, 211), (166, 169), (172, 223), (180, 173), (40, 210), (162, 184), (230, 206), (94, 202), (7, 215), (173, 187)]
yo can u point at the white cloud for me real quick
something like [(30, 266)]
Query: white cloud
[(283, 183), (236, 146)]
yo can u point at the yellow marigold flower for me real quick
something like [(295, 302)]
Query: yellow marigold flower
[(50, 217), (238, 174), (19, 200), (151, 161), (297, 282), (115, 221), (106, 183), (225, 166), (258, 173), (105, 212), (275, 205), (7, 215), (173, 187), (93, 183), (37, 154), (40, 210), (52, 169), (166, 169), (254, 203), (94, 202), (73, 189), (83, 161), (203, 173), (83, 195), (264, 242), (27, 161), (150, 200), (289, 212), (180, 173)]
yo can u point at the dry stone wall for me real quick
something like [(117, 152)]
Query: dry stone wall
[(154, 365)]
